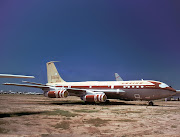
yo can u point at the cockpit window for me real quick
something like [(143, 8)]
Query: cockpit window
[(163, 85)]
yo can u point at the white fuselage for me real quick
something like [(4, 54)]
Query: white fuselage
[(127, 90)]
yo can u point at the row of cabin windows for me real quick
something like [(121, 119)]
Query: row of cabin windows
[(123, 86), (133, 86)]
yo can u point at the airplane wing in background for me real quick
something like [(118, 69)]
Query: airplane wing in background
[(26, 85), (14, 76)]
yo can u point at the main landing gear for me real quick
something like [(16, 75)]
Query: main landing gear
[(150, 103), (107, 102)]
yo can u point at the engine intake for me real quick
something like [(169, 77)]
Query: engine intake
[(58, 94), (95, 98)]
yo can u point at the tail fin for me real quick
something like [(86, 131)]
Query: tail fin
[(118, 78), (52, 73)]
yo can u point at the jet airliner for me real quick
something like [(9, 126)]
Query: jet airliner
[(100, 91)]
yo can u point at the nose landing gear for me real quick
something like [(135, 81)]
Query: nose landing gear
[(150, 103)]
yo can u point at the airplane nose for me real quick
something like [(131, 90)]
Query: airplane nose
[(172, 91)]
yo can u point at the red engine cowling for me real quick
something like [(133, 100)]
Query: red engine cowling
[(95, 98), (58, 94)]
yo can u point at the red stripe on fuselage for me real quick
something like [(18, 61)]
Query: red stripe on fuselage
[(101, 87), (156, 86), (83, 87), (118, 87), (114, 87)]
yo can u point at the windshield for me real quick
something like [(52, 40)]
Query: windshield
[(163, 85)]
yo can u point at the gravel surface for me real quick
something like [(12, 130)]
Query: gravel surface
[(36, 115)]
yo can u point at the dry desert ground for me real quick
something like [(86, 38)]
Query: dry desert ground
[(36, 115)]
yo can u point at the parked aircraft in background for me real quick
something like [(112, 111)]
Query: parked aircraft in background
[(174, 97), (118, 78), (100, 91), (14, 76)]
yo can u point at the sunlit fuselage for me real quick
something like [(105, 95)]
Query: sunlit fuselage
[(125, 90)]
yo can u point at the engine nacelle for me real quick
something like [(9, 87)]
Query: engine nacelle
[(95, 98), (58, 94)]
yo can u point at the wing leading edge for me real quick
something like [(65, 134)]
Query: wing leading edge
[(14, 76), (26, 85)]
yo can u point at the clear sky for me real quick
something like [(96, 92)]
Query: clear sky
[(93, 39)]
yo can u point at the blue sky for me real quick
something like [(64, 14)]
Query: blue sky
[(92, 39)]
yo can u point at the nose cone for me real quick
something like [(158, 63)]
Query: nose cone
[(171, 91)]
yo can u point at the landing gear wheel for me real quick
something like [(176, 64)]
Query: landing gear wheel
[(107, 102), (85, 103), (151, 103)]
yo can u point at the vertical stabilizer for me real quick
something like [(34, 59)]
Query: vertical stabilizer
[(118, 78), (52, 73)]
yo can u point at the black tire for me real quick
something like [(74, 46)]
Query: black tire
[(107, 102), (151, 103)]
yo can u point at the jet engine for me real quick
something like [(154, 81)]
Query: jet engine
[(95, 98), (63, 93)]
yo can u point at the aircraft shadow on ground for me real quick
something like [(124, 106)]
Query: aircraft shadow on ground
[(16, 114), (101, 104), (106, 104)]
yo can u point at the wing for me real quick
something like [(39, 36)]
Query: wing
[(73, 91), (82, 92), (27, 85), (33, 83), (14, 76), (76, 92)]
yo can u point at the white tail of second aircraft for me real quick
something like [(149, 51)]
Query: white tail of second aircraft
[(118, 78), (52, 73)]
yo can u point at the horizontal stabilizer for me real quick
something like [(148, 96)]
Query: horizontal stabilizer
[(33, 83), (26, 85)]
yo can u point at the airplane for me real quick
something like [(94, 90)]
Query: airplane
[(14, 76), (118, 78), (100, 91)]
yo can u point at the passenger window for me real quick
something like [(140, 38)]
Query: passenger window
[(137, 86)]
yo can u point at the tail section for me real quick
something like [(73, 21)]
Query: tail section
[(118, 78), (52, 73)]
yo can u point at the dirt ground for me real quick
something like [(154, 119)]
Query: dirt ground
[(36, 115)]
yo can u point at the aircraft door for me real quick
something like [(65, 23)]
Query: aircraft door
[(137, 96)]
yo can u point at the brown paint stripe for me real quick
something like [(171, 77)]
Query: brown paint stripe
[(79, 86), (156, 86), (101, 87)]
